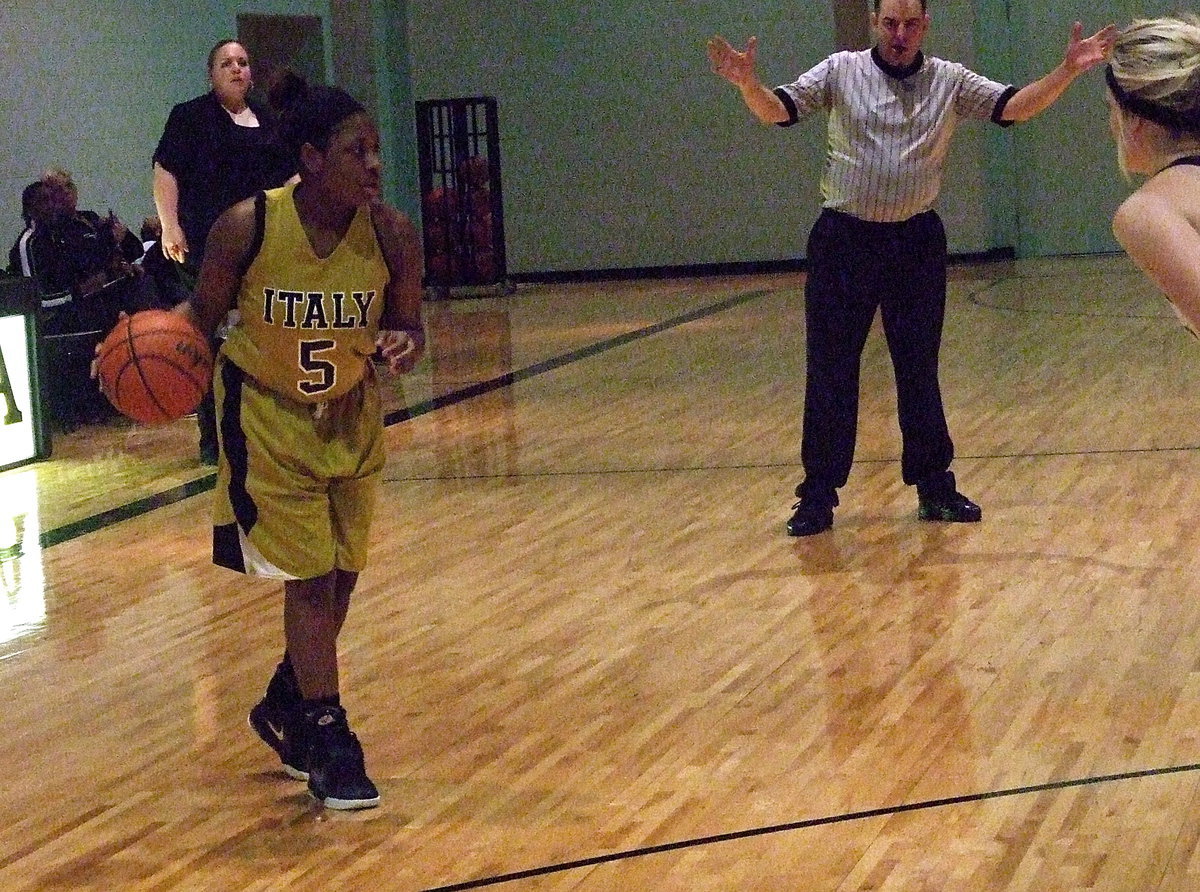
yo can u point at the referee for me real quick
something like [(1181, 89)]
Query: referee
[(878, 243)]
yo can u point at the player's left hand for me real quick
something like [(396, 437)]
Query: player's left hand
[(401, 350), (1083, 54)]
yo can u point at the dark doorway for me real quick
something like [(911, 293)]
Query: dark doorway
[(283, 41)]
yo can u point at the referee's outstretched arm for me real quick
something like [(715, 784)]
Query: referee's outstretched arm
[(738, 68), (1035, 98)]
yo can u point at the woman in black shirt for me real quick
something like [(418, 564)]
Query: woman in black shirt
[(215, 151)]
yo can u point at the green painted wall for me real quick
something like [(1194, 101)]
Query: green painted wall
[(620, 148), (1054, 189), (396, 113), (88, 84)]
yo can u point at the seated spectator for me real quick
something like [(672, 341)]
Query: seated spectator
[(86, 256), (84, 270)]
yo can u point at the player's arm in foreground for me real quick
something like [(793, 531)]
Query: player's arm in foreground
[(401, 334), (1081, 55), (221, 272), (738, 68), (1164, 244)]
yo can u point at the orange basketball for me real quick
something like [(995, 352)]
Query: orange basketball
[(154, 366)]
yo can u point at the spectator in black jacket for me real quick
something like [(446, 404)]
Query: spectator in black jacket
[(83, 263), (83, 255)]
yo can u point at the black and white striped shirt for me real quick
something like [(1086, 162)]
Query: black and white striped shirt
[(889, 130)]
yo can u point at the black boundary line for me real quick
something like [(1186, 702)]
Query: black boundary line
[(977, 297), (203, 484), (95, 522), (136, 508), (127, 511), (200, 485), (539, 368), (753, 466), (886, 811)]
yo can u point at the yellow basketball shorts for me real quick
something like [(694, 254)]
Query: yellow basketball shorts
[(296, 482)]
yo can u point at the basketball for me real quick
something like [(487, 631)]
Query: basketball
[(154, 366), (440, 204)]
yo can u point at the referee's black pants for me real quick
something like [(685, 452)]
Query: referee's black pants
[(854, 267)]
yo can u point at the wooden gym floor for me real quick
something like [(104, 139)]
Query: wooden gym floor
[(585, 656)]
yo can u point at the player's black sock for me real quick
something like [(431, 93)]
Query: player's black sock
[(316, 703)]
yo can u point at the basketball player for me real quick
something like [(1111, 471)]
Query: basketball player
[(323, 274), (877, 243), (1154, 114)]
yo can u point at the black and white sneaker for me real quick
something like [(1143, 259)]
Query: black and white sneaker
[(337, 774), (278, 719)]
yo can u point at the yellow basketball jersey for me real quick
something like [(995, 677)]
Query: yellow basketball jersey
[(308, 324)]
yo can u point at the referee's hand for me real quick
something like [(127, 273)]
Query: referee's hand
[(1082, 53), (736, 67)]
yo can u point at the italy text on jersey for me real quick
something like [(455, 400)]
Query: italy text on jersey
[(311, 310)]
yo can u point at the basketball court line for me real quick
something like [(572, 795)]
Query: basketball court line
[(136, 508), (200, 485), (540, 368), (75, 529), (885, 811), (979, 298), (759, 466)]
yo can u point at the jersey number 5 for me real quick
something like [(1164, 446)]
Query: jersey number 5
[(322, 373)]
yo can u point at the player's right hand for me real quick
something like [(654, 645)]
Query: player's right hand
[(94, 370), (401, 350)]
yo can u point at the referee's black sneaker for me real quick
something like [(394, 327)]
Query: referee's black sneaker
[(810, 517), (337, 774), (940, 500)]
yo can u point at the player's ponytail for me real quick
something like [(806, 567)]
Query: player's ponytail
[(286, 88), (308, 113), (1154, 72)]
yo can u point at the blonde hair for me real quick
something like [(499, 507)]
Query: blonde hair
[(1156, 64), (1154, 73), (59, 176)]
